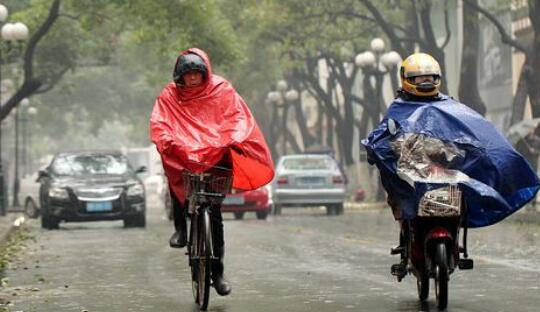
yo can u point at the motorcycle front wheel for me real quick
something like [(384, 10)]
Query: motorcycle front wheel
[(441, 276), (422, 284)]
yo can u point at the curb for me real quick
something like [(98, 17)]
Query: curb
[(365, 206), (8, 225)]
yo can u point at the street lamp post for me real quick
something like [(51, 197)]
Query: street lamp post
[(377, 64), (17, 182), (3, 197), (30, 113), (13, 33), (283, 97)]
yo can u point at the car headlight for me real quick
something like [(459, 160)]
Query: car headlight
[(135, 190), (58, 192)]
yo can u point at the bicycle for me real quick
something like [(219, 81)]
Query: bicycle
[(203, 191)]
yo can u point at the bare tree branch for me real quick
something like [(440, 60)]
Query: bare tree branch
[(388, 30), (506, 38), (52, 81), (446, 26)]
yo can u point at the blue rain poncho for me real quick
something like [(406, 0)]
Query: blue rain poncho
[(495, 180)]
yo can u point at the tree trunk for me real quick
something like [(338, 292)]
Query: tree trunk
[(468, 82), (307, 137), (520, 97), (320, 119), (534, 82), (330, 131), (430, 42)]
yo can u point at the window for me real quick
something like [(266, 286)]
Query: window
[(90, 165), (309, 163)]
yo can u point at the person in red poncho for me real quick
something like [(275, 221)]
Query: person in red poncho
[(200, 119)]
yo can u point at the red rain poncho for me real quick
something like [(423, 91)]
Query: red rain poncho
[(201, 125)]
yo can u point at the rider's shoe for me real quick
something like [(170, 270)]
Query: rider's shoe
[(221, 284), (399, 270), (178, 239)]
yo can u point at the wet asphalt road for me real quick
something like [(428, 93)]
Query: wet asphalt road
[(301, 261)]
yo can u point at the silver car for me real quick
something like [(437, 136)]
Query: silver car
[(308, 180)]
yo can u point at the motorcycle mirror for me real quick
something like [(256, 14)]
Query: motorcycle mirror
[(392, 127)]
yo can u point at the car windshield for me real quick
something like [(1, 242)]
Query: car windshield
[(90, 164), (308, 163)]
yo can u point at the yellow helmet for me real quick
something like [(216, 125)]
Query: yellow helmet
[(420, 64)]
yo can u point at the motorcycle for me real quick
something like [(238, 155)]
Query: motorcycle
[(429, 246)]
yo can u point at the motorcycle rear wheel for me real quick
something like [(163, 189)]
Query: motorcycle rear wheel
[(441, 276)]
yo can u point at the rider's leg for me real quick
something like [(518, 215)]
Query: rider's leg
[(400, 269), (221, 284), (179, 237)]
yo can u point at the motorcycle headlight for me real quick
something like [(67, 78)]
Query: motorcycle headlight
[(135, 190), (58, 192)]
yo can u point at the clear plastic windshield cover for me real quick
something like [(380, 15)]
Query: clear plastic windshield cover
[(427, 160)]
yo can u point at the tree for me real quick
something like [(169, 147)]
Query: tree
[(89, 61), (529, 78), (468, 82)]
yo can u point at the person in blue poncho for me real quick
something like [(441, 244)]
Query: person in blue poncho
[(495, 179)]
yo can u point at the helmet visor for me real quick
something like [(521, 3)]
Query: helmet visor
[(417, 80)]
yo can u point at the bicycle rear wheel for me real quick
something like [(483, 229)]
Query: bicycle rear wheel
[(205, 258)]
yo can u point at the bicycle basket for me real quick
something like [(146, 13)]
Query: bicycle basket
[(441, 202), (217, 180)]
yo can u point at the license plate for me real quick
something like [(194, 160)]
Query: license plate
[(311, 181), (99, 206), (233, 200)]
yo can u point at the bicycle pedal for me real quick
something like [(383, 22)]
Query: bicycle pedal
[(466, 264), (397, 250)]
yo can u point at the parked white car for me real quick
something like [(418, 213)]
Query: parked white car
[(29, 195), (308, 180)]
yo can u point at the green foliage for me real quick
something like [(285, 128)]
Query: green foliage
[(118, 54)]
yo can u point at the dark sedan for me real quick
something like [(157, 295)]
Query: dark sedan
[(91, 186)]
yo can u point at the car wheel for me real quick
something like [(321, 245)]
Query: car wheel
[(135, 221), (239, 215), (49, 222), (339, 209), (261, 215), (140, 221), (330, 210), (276, 209), (31, 209)]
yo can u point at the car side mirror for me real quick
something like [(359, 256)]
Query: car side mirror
[(141, 169), (42, 174)]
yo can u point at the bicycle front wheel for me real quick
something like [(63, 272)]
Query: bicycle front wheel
[(205, 257)]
